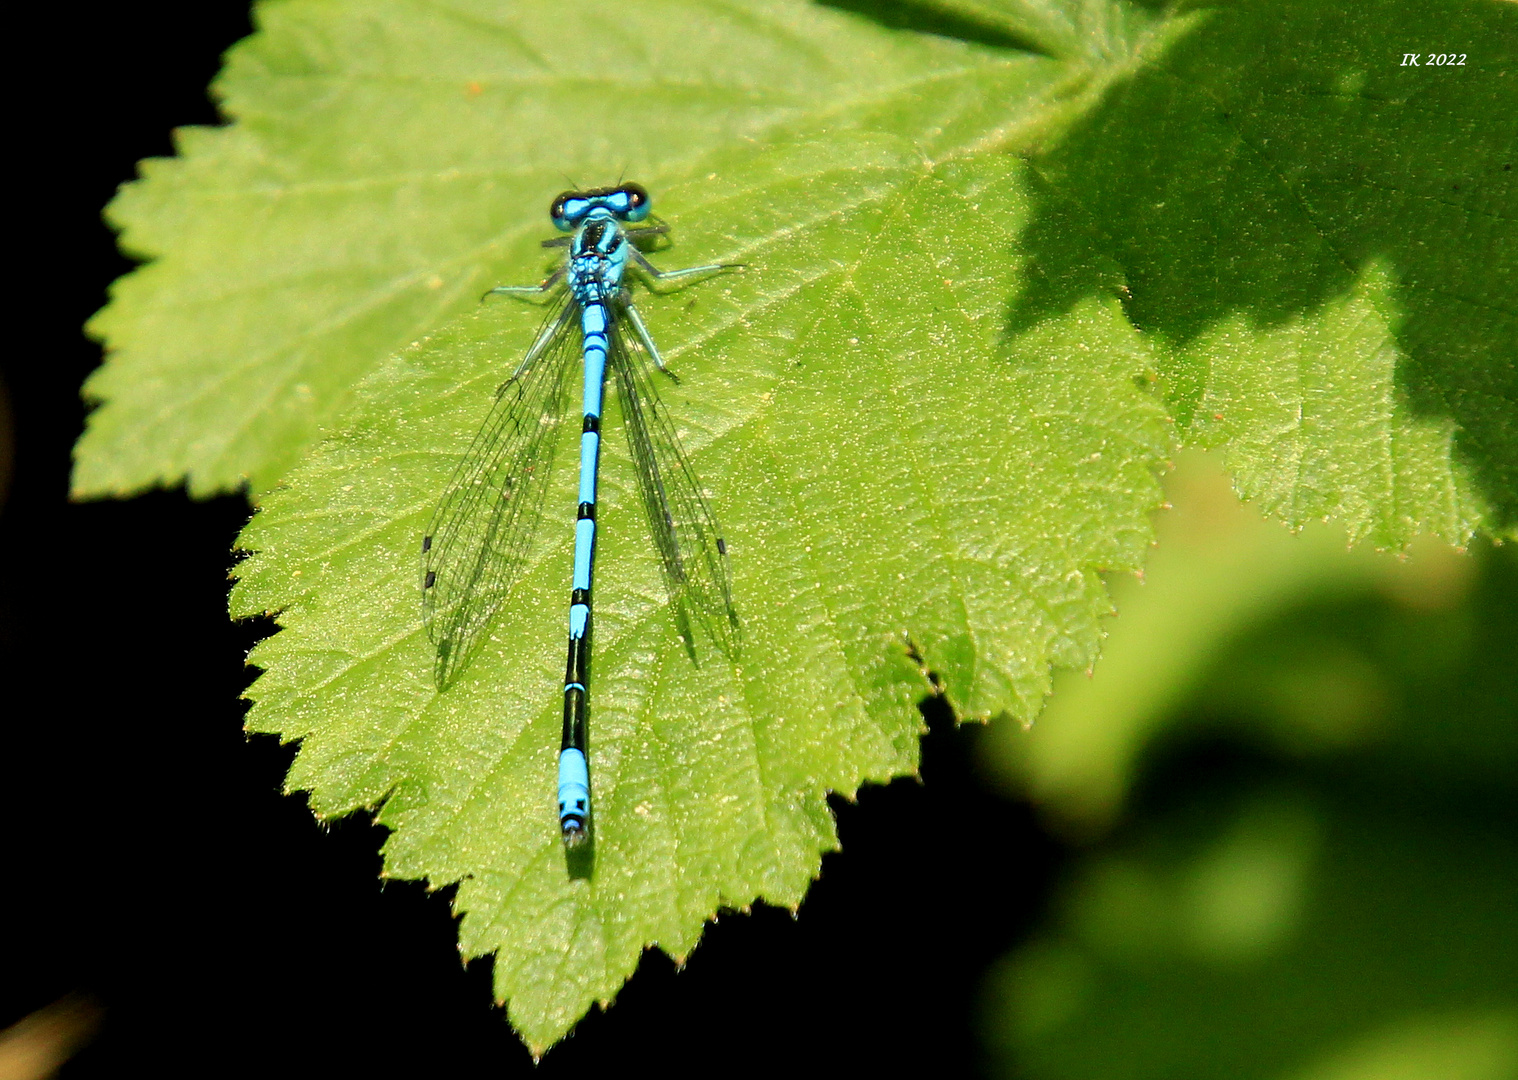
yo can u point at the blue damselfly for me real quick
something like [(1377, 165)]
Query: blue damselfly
[(480, 535)]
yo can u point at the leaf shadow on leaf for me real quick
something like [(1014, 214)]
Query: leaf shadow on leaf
[(966, 25), (1270, 155), (1061, 30)]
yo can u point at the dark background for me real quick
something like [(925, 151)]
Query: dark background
[(153, 866)]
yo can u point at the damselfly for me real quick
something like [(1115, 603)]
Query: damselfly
[(480, 536)]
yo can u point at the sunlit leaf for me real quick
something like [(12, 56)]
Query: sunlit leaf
[(929, 413)]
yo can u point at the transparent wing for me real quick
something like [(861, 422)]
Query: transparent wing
[(689, 542), (481, 533)]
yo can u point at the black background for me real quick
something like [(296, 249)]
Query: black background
[(152, 864)]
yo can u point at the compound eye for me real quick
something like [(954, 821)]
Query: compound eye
[(638, 204), (566, 210)]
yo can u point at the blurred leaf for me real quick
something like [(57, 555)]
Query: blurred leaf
[(1219, 571), (1366, 936), (1468, 1045), (1314, 648), (1327, 891)]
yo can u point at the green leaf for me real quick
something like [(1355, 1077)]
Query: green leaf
[(1093, 31), (390, 161), (925, 414), (847, 405), (1325, 241)]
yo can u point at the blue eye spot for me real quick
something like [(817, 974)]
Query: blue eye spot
[(636, 201), (569, 209)]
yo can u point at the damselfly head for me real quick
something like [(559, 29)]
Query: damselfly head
[(625, 202)]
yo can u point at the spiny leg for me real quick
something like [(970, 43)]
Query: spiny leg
[(679, 278), (546, 338), (550, 331), (529, 292), (643, 335)]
